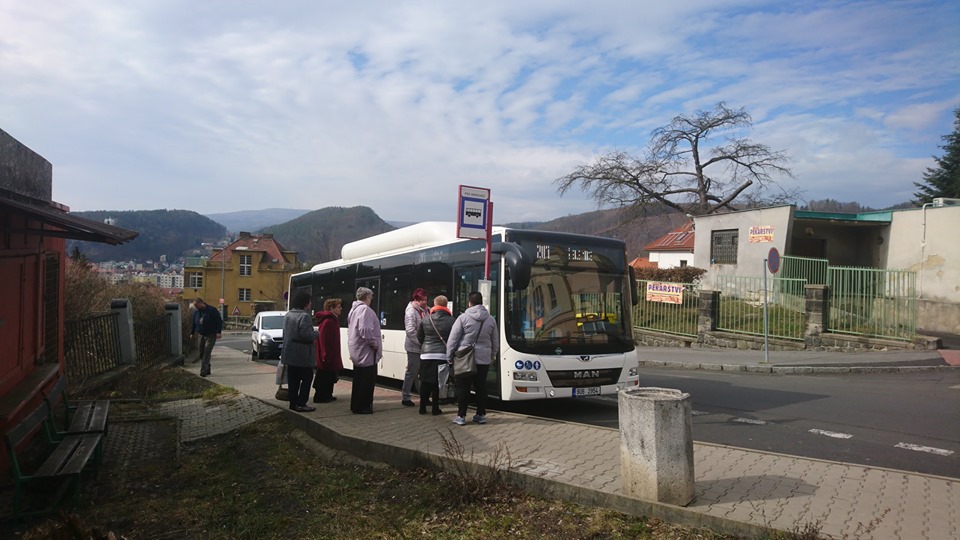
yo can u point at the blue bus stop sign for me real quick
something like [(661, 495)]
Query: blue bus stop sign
[(773, 260)]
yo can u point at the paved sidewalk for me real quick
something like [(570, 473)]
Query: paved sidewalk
[(737, 491)]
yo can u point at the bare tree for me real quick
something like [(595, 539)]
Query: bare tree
[(681, 171)]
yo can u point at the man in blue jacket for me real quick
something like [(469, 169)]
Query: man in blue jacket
[(209, 324)]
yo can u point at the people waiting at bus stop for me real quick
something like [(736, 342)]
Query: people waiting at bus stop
[(476, 327)]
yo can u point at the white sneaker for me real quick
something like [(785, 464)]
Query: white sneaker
[(480, 418), (459, 420)]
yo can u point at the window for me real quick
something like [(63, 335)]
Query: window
[(195, 280), (246, 265), (244, 295), (683, 263), (723, 247)]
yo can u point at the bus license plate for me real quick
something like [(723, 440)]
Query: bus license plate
[(589, 391)]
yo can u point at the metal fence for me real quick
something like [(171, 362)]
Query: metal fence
[(671, 314), (812, 270), (873, 302), (91, 345), (152, 339), (741, 305)]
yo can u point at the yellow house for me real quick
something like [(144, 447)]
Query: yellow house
[(249, 275)]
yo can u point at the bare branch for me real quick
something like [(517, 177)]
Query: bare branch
[(674, 171)]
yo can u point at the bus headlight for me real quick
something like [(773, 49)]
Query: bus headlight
[(632, 372), (524, 375)]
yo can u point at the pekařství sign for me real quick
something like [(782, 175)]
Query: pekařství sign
[(761, 233), (668, 293)]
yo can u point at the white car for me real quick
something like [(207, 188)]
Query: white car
[(267, 337)]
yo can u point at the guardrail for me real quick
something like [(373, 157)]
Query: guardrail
[(873, 302), (741, 305), (674, 313), (91, 345), (152, 339)]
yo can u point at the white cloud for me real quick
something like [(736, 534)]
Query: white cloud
[(223, 106)]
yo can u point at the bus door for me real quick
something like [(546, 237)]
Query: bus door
[(466, 280)]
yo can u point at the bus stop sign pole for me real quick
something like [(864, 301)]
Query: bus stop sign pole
[(771, 263)]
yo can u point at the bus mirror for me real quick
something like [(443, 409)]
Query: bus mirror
[(634, 293), (518, 261)]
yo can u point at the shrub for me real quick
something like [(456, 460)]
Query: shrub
[(677, 274)]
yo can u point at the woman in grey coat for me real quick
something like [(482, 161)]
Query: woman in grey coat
[(432, 334), (299, 352), (474, 327)]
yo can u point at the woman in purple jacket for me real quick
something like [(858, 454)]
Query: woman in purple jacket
[(366, 348)]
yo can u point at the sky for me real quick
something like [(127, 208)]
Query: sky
[(221, 106)]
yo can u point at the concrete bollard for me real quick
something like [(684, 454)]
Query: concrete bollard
[(656, 445)]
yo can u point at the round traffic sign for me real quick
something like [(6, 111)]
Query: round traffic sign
[(773, 260)]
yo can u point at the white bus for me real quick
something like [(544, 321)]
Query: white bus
[(562, 302)]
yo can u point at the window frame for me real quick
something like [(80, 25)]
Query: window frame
[(240, 295), (246, 268), (195, 280), (724, 246)]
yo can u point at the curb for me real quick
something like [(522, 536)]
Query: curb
[(793, 370)]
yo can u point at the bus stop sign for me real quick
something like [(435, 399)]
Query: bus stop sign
[(773, 260)]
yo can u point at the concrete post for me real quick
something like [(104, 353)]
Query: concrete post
[(175, 328), (128, 344), (708, 312), (817, 308), (656, 445)]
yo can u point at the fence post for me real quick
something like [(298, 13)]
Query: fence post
[(709, 313), (125, 333), (175, 329), (816, 306)]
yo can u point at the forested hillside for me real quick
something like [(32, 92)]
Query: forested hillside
[(252, 220), (319, 235), (162, 232)]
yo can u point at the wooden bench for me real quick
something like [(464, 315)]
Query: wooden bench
[(81, 417), (68, 457)]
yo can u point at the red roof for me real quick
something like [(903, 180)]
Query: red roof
[(679, 239), (258, 242), (643, 262)]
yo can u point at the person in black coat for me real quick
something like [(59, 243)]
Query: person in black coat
[(432, 333)]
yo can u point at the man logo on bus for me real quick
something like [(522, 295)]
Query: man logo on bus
[(584, 358), (592, 374)]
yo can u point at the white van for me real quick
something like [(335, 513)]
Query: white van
[(267, 337)]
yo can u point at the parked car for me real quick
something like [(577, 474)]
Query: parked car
[(267, 337)]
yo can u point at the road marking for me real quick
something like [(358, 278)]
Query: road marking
[(750, 421), (928, 449), (955, 387), (699, 413), (833, 434)]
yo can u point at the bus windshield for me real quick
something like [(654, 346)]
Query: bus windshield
[(575, 303)]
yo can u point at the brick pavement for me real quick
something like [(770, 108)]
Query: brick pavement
[(737, 490)]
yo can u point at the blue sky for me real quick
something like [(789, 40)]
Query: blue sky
[(222, 106)]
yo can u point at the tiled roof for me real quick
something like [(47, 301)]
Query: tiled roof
[(679, 239), (258, 242), (643, 262)]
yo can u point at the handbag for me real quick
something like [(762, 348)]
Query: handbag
[(283, 394), (465, 359)]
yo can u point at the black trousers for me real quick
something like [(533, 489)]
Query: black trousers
[(429, 388), (478, 383), (324, 384), (364, 380), (299, 379)]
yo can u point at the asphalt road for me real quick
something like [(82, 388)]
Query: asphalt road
[(905, 421)]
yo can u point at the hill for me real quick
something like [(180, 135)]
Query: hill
[(252, 220), (162, 232), (319, 235)]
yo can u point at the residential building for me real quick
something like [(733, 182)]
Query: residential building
[(922, 240), (674, 248), (249, 275)]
